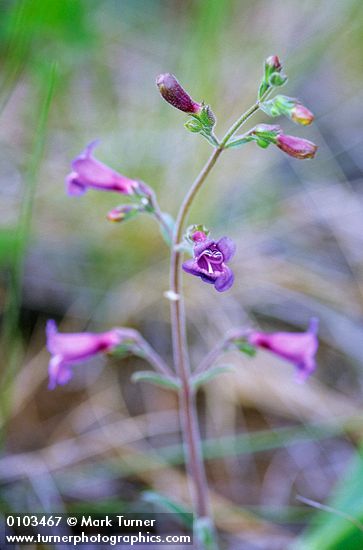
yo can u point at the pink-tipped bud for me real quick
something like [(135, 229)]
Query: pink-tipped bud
[(122, 213), (174, 94), (301, 115), (290, 107), (296, 147), (199, 237), (273, 62)]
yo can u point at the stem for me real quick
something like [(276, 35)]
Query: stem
[(147, 352), (188, 412), (154, 358), (160, 219)]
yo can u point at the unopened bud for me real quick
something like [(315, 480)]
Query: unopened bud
[(301, 115), (122, 213), (174, 94), (273, 63), (196, 233), (290, 107), (273, 75), (266, 132), (296, 147), (199, 237)]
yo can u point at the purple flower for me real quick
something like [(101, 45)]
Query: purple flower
[(69, 349), (174, 94), (296, 147), (210, 262), (89, 172), (298, 348)]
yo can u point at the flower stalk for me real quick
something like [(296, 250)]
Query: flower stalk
[(188, 410), (209, 262)]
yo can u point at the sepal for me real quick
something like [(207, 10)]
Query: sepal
[(123, 350), (245, 347), (123, 213), (262, 134), (203, 123)]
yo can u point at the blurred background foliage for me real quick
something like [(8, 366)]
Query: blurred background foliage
[(75, 70)]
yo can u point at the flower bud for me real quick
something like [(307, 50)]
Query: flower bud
[(301, 114), (296, 147), (174, 94), (273, 75), (273, 64), (290, 107), (122, 213), (196, 233), (264, 134), (199, 237)]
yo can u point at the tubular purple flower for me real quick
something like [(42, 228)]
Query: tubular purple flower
[(296, 147), (297, 348), (210, 262), (89, 172), (70, 349), (174, 94)]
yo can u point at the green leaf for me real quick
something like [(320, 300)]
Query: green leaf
[(155, 378), (184, 514), (208, 375)]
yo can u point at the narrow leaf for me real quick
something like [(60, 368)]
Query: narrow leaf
[(208, 375), (181, 511), (157, 379)]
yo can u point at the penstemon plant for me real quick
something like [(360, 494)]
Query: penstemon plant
[(209, 261)]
